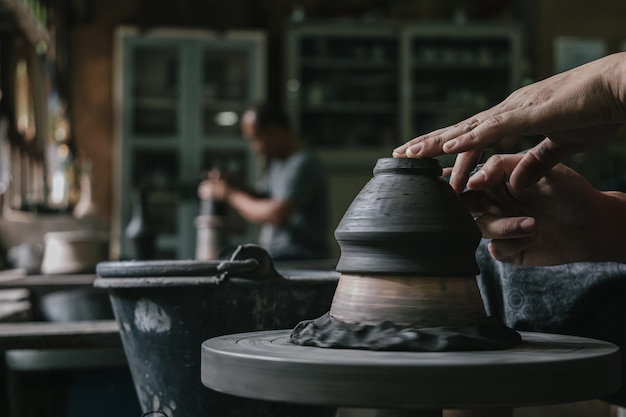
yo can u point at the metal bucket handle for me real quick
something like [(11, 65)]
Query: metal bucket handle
[(246, 261)]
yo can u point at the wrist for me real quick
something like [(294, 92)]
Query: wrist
[(615, 78), (230, 195)]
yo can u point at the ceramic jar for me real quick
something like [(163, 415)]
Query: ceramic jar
[(407, 220)]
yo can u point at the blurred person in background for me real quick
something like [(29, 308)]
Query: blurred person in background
[(290, 201)]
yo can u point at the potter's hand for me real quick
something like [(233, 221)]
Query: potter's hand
[(559, 219), (575, 110), (215, 187)]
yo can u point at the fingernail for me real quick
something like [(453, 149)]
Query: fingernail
[(476, 178), (399, 150), (527, 225), (449, 146), (414, 149)]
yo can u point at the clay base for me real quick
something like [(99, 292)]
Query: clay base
[(488, 333), (408, 301)]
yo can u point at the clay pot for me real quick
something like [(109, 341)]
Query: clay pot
[(407, 221), (74, 251), (408, 269)]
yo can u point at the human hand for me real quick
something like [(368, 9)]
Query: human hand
[(575, 110), (559, 219), (214, 187)]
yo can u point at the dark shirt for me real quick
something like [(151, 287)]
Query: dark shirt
[(302, 180)]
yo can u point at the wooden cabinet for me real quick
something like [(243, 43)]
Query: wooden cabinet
[(343, 84), (179, 96), (451, 72), (357, 90), (373, 85)]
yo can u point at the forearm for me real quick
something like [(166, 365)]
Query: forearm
[(258, 210), (614, 75)]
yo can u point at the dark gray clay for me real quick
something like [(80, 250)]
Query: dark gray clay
[(407, 220)]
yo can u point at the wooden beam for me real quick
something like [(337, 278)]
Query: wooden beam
[(33, 28)]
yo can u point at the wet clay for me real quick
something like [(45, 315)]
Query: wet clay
[(326, 331), (407, 221), (408, 270)]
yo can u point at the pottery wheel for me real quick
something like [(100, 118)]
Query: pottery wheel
[(543, 369)]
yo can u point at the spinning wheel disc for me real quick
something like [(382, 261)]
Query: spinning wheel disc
[(543, 369)]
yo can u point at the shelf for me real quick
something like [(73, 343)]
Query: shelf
[(351, 108), (19, 15), (156, 103), (164, 196), (459, 66), (168, 242), (218, 103), (346, 63), (154, 142), (226, 143)]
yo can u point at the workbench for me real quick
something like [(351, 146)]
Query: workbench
[(35, 351)]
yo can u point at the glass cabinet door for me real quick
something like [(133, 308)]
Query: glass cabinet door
[(156, 172), (344, 88), (455, 78), (155, 91), (455, 72), (230, 79), (227, 84), (234, 163), (181, 93)]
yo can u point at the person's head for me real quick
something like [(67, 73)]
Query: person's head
[(268, 130)]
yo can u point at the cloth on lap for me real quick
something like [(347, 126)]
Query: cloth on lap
[(584, 299)]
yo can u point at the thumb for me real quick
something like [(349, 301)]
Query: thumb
[(536, 163)]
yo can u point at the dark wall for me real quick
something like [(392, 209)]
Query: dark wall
[(603, 19)]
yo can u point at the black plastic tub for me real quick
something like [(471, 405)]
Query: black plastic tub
[(166, 309)]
